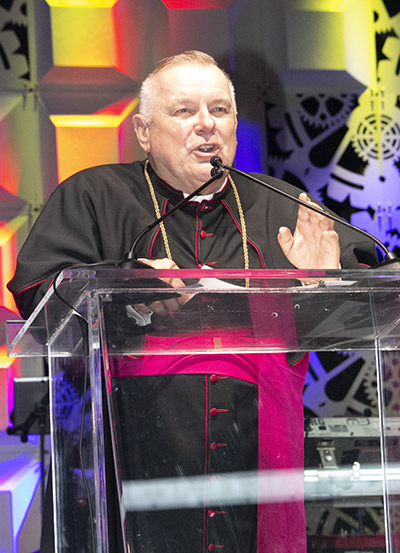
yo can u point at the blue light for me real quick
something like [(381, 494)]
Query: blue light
[(248, 156)]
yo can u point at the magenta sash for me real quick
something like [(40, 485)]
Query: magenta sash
[(281, 526)]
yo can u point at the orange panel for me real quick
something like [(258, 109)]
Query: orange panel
[(7, 260), (8, 254), (82, 147), (3, 396), (7, 375), (9, 170)]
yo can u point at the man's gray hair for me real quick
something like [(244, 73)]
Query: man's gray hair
[(148, 90)]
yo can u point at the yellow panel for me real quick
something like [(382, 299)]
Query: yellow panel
[(334, 40), (359, 41), (81, 3), (5, 361), (79, 148), (320, 5), (82, 37)]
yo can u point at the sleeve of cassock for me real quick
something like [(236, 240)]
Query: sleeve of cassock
[(65, 234)]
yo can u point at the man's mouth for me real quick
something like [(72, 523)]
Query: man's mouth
[(206, 148)]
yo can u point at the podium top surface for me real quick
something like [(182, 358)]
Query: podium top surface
[(223, 311)]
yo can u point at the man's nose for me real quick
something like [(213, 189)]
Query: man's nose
[(205, 121)]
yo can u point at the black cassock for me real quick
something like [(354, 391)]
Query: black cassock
[(95, 215)]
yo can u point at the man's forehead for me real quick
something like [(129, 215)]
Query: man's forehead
[(175, 99), (179, 83), (179, 74)]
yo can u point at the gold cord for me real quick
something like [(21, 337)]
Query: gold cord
[(243, 227), (157, 210), (164, 232)]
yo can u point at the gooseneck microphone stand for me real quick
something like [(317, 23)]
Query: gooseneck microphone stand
[(130, 260), (391, 258)]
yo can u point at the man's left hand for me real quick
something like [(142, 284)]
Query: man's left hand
[(314, 243)]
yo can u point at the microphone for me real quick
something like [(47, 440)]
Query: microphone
[(130, 260), (390, 257)]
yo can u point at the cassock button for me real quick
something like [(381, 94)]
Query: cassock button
[(203, 234), (215, 377), (214, 411), (212, 513), (215, 445)]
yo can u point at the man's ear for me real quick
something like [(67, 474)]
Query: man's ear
[(142, 131)]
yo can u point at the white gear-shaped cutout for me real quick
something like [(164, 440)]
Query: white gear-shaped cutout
[(316, 399), (323, 116), (365, 139), (391, 372), (370, 385)]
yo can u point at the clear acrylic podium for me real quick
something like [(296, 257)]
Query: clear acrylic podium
[(93, 317)]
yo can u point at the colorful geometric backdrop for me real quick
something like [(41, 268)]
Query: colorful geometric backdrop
[(317, 84)]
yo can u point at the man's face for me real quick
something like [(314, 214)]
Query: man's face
[(193, 119)]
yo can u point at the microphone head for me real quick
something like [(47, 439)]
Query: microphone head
[(216, 161), (217, 164)]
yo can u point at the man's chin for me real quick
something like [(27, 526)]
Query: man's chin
[(215, 186), (200, 177), (206, 176)]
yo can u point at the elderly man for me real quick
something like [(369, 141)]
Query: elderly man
[(187, 115)]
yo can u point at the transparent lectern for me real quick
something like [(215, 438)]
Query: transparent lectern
[(101, 326)]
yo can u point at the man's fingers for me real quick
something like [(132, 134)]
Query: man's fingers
[(312, 217), (143, 308), (168, 304), (285, 239), (165, 264), (160, 308), (331, 237)]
